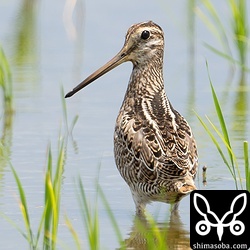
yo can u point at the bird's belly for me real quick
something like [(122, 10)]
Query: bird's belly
[(144, 183)]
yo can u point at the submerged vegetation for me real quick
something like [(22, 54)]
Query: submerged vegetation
[(6, 82)]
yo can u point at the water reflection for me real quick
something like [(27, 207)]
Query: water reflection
[(5, 144), (173, 232), (25, 38), (79, 39), (7, 111), (240, 110), (191, 54), (24, 47)]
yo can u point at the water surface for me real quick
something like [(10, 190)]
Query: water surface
[(46, 53)]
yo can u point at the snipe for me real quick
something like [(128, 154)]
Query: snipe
[(154, 147)]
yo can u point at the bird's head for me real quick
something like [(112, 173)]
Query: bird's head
[(144, 42)]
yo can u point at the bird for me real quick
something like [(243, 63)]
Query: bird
[(154, 148)]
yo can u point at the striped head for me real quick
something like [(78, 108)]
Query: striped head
[(144, 42)]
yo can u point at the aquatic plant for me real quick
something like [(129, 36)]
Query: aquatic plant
[(90, 217), (230, 158), (6, 82), (237, 39), (50, 217), (239, 24), (49, 221), (52, 198), (247, 166), (153, 236), (24, 210), (146, 229)]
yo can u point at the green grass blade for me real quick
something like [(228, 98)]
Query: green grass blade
[(40, 227), (90, 219), (56, 191), (208, 23), (58, 175), (221, 119), (240, 27), (157, 234), (47, 242), (216, 143), (215, 25), (64, 108), (214, 19), (52, 198), (6, 82), (232, 164), (73, 232), (112, 217), (247, 166), (13, 223), (24, 208), (73, 123), (228, 57), (83, 201), (47, 201), (230, 167)]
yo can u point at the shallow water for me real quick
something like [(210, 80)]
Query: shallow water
[(44, 56)]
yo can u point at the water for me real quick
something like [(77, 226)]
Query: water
[(46, 54)]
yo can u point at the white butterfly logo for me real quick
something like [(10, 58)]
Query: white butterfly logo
[(236, 227)]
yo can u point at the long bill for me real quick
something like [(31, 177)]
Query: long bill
[(114, 62)]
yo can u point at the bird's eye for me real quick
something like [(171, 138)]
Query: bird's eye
[(145, 34)]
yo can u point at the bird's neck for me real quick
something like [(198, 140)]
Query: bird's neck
[(146, 95), (146, 80)]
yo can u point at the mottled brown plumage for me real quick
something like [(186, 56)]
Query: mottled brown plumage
[(154, 147)]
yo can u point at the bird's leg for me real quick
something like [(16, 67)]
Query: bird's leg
[(140, 203), (174, 211), (174, 207), (140, 209)]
